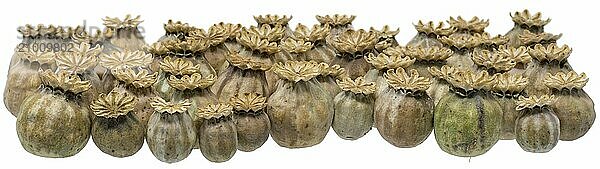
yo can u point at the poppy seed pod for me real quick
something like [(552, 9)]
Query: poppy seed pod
[(404, 111), (353, 116), (123, 34), (251, 121), (275, 21), (467, 121), (573, 105), (118, 60), (177, 67), (428, 34), (546, 59), (462, 46), (190, 49), (171, 134), (194, 88), (300, 110), (217, 134), (387, 38), (426, 58), (524, 20), (329, 75), (506, 91), (306, 45), (116, 130), (391, 58), (139, 84), (352, 46), (441, 75), (537, 129), (338, 24), (219, 36), (53, 123)]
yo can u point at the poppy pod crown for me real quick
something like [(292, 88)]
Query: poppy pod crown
[(162, 106), (41, 30), (178, 66), (519, 54), (80, 35), (569, 80), (248, 102), (461, 42), (433, 53), (269, 19), (318, 32), (255, 42), (127, 22), (187, 46), (510, 83), (386, 32), (443, 72), (529, 38), (65, 81), (474, 25), (139, 79), (82, 59), (469, 81), (390, 58), (246, 62), (354, 41), (157, 49), (37, 57), (113, 104), (215, 111), (487, 39), (125, 59), (213, 37), (191, 82), (534, 101), (357, 86), (399, 79), (550, 53), (526, 18), (296, 71), (493, 60), (174, 27), (431, 28), (270, 33), (295, 46), (335, 71), (336, 19)]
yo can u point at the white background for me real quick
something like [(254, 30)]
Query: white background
[(576, 19)]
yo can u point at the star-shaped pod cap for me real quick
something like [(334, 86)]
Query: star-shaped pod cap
[(336, 19), (399, 79), (569, 80), (162, 106), (357, 86), (248, 102), (215, 111), (526, 18), (534, 101), (65, 81), (390, 58), (113, 104)]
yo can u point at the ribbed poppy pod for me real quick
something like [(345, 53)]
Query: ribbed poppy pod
[(506, 91), (275, 21), (352, 46), (42, 39), (171, 134), (428, 34), (53, 122), (546, 59), (467, 121), (190, 49), (441, 76), (300, 110), (353, 116), (196, 89), (524, 20), (462, 46), (573, 105), (220, 36), (338, 24), (177, 67), (387, 38), (329, 75), (117, 60), (217, 134), (139, 84), (251, 121), (306, 44), (537, 129), (123, 34), (116, 130), (391, 58), (23, 78), (404, 111)]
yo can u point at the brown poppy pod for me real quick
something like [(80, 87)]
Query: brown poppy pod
[(138, 82), (171, 134), (537, 129), (506, 91), (300, 110), (117, 60), (387, 38), (306, 45), (353, 116), (116, 130), (275, 21), (428, 34), (462, 46), (251, 121), (23, 78), (573, 105), (190, 49), (352, 46), (220, 36), (404, 111), (123, 34), (196, 89), (546, 59), (443, 86), (525, 21), (53, 122), (177, 67), (338, 24), (391, 58), (217, 134)]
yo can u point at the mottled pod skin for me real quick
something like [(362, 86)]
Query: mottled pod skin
[(23, 80), (575, 109), (170, 137), (537, 130), (300, 113), (252, 129), (467, 126), (353, 116), (144, 96), (52, 125), (122, 136), (404, 119), (234, 81), (218, 139)]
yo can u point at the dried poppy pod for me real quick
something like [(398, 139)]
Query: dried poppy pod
[(462, 46), (524, 20), (467, 121), (550, 59), (173, 67), (520, 56), (274, 21), (53, 123), (391, 58), (37, 38), (353, 116), (470, 27), (251, 121), (530, 39), (428, 34), (171, 134), (116, 130), (221, 37), (217, 134), (491, 43), (404, 111), (300, 110), (329, 75), (24, 79), (123, 34), (306, 44), (117, 60), (573, 105), (176, 30), (338, 24), (387, 38), (139, 84), (352, 46), (191, 49), (537, 129), (426, 57), (506, 91), (492, 62), (196, 89)]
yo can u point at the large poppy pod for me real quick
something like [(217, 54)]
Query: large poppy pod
[(305, 45), (171, 134), (338, 24), (139, 84), (300, 110), (428, 34), (245, 74), (524, 20), (573, 105), (251, 121), (117, 60), (116, 130), (123, 34), (506, 91), (221, 37), (352, 46), (217, 134), (54, 122), (274, 21), (196, 89), (538, 128), (353, 116), (391, 58), (404, 111), (546, 59), (387, 38)]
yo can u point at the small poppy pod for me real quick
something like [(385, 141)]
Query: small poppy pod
[(177, 67), (245, 74), (507, 90), (353, 116), (251, 121), (123, 34), (441, 83), (538, 128), (119, 60), (391, 58), (24, 78), (274, 21), (53, 122), (220, 36), (171, 134), (387, 38), (467, 121), (462, 46), (138, 82), (573, 105), (338, 24), (116, 130), (525, 20), (217, 134), (306, 45), (546, 59), (404, 111), (352, 46), (190, 49), (428, 34), (300, 110)]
